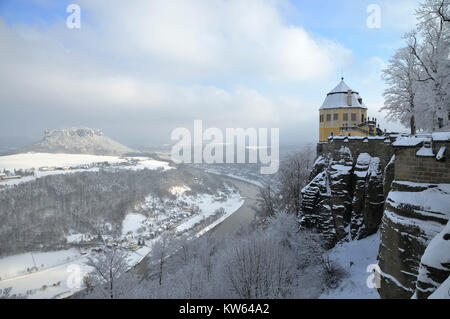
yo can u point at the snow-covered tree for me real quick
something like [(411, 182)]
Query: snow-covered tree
[(267, 200), (109, 272), (431, 47), (418, 76), (401, 75), (293, 176), (6, 294)]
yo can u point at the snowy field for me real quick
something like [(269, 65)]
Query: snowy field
[(35, 161), (355, 257)]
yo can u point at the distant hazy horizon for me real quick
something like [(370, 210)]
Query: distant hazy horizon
[(139, 71)]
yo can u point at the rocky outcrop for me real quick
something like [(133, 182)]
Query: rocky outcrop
[(359, 198), (346, 194), (368, 199), (414, 213), (77, 141), (413, 174), (389, 175), (340, 174), (374, 204), (435, 265), (316, 208)]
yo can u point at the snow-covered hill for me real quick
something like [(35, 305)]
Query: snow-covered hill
[(77, 141)]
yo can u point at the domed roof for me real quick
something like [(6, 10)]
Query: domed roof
[(337, 98)]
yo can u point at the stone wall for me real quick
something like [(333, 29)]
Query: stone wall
[(416, 209), (421, 169), (414, 196), (379, 146)]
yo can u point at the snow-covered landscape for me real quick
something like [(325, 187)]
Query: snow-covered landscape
[(224, 150), (37, 165), (59, 273)]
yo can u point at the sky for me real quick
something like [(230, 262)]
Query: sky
[(139, 69)]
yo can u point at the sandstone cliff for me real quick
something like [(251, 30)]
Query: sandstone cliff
[(399, 186), (77, 141), (413, 215), (345, 197), (434, 267)]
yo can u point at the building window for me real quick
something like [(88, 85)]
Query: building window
[(328, 117), (362, 118), (335, 117), (321, 118), (345, 117), (353, 117)]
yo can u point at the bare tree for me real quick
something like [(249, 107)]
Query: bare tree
[(108, 267), (5, 293), (160, 252), (430, 46), (256, 267), (294, 174), (267, 200), (401, 75), (418, 76)]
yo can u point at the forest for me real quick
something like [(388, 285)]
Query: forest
[(37, 215)]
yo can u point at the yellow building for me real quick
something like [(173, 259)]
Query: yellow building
[(343, 113)]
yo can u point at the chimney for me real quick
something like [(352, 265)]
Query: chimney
[(349, 98)]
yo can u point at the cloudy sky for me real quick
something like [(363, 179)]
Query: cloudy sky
[(139, 69)]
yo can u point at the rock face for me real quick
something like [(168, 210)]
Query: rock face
[(368, 199), (389, 175), (434, 267), (340, 174), (413, 174), (77, 141), (414, 213), (317, 209), (344, 196)]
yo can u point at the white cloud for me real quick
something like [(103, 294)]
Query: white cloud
[(201, 38), (171, 60)]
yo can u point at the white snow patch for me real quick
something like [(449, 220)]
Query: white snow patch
[(441, 136), (36, 160), (361, 253), (132, 222), (179, 190), (437, 252), (441, 153), (425, 151), (443, 292)]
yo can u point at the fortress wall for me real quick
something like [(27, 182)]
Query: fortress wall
[(377, 147), (420, 169)]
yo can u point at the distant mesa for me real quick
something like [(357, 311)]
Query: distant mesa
[(77, 141)]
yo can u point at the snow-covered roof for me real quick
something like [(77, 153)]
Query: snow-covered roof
[(337, 98), (410, 141), (441, 136)]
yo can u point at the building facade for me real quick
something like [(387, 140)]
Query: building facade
[(343, 113)]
